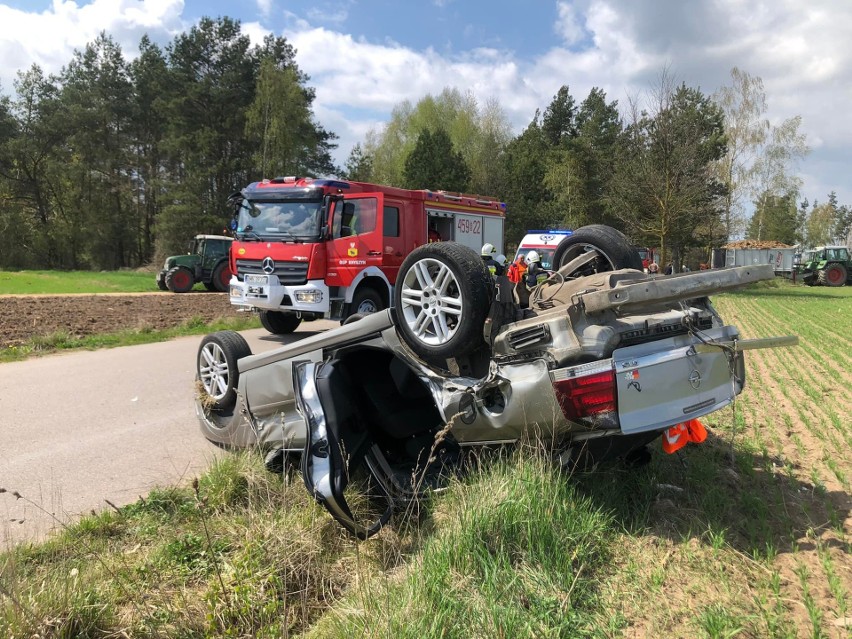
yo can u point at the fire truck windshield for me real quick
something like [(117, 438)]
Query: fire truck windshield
[(281, 219)]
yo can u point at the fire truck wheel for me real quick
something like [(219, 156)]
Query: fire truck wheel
[(221, 277), (442, 296), (365, 301), (216, 367), (279, 323), (614, 249), (179, 279)]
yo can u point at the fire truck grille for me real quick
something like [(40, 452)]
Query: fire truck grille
[(289, 273)]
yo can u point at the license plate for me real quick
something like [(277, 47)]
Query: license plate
[(255, 290), (256, 279)]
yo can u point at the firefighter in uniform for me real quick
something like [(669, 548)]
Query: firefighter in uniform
[(489, 253), (535, 274)]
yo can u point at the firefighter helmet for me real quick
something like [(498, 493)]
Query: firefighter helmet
[(487, 250), (532, 257)]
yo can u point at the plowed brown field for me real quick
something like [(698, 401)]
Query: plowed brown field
[(26, 316)]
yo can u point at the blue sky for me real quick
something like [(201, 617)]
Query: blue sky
[(365, 56)]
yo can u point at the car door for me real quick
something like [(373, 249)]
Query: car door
[(336, 444)]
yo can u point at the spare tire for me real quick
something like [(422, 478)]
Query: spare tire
[(614, 250), (441, 298), (216, 367)]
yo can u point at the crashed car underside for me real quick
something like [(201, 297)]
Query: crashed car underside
[(603, 359)]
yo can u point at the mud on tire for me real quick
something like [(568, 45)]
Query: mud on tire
[(614, 248), (441, 299)]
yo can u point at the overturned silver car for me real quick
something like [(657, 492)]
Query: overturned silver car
[(600, 360)]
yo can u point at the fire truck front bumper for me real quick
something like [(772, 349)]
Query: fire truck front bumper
[(267, 293)]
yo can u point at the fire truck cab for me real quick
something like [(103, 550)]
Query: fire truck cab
[(309, 248)]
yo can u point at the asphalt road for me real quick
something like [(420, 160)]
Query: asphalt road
[(78, 429)]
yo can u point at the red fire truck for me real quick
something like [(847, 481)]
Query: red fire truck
[(648, 255), (309, 248)]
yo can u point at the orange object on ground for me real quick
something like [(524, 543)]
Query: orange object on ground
[(681, 434)]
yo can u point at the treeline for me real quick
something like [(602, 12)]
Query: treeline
[(115, 164), (112, 163), (674, 169)]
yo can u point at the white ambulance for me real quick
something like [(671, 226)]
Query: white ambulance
[(544, 242)]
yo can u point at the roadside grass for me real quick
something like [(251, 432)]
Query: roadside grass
[(63, 341), (72, 282), (746, 535)]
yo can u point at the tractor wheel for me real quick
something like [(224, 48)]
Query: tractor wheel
[(221, 277), (442, 296), (161, 281), (833, 275), (180, 279), (216, 367), (613, 249), (279, 323)]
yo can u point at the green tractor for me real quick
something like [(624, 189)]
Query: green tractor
[(825, 266), (206, 262)]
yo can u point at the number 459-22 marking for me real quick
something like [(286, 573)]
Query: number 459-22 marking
[(469, 226)]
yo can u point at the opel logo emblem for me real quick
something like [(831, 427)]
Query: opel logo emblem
[(268, 265), (695, 379)]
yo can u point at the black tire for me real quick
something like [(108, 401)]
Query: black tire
[(614, 248), (833, 275), (279, 323), (210, 287), (216, 367), (365, 301), (161, 281), (221, 277), (180, 279), (447, 321)]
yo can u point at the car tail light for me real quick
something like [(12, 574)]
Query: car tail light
[(586, 391)]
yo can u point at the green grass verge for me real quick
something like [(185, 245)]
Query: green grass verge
[(62, 341), (71, 282)]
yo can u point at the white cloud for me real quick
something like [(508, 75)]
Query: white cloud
[(265, 7), (328, 15), (49, 37), (569, 24), (799, 49)]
